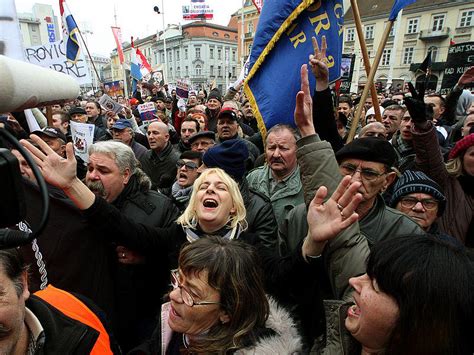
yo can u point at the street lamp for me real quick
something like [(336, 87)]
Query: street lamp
[(157, 10)]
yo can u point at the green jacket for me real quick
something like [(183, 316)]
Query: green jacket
[(284, 199)]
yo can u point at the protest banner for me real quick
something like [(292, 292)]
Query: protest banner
[(197, 11), (82, 138), (460, 58), (147, 111), (114, 88), (53, 56), (182, 89), (110, 105), (347, 69)]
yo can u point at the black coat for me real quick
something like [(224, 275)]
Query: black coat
[(161, 168)]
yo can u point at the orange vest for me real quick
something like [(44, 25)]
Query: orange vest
[(75, 309)]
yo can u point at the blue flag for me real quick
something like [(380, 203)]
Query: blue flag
[(397, 6), (282, 44), (70, 32)]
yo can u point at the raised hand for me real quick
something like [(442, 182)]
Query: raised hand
[(318, 63), (467, 77), (419, 111), (56, 170), (327, 219), (304, 106)]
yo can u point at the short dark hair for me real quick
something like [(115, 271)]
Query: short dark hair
[(191, 154), (97, 105), (63, 115), (431, 279), (14, 266), (189, 119), (442, 100), (345, 99)]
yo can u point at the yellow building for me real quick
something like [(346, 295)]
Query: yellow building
[(427, 25), (246, 33)]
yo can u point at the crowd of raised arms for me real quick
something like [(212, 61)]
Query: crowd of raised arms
[(193, 233)]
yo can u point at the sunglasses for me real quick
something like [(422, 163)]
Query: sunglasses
[(188, 164)]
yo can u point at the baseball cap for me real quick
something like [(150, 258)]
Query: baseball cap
[(122, 123), (52, 132)]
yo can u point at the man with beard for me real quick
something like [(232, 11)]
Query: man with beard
[(187, 166), (114, 175), (279, 179)]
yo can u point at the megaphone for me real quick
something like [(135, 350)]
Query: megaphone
[(26, 85)]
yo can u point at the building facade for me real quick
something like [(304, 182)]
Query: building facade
[(198, 52), (425, 26), (246, 30), (40, 26)]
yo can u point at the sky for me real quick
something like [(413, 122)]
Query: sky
[(136, 17)]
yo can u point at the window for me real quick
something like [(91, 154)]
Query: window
[(369, 32), (250, 49), (178, 72), (177, 54), (162, 55), (412, 25), (233, 56), (408, 55), (186, 72), (185, 53), (438, 22), (226, 35), (215, 34), (170, 56), (386, 57), (212, 70), (466, 18), (198, 70), (233, 71), (219, 54), (211, 53), (350, 34), (434, 53), (219, 71), (250, 27), (197, 52), (392, 32)]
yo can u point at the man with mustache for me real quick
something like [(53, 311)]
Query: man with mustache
[(279, 179)]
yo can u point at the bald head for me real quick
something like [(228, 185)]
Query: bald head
[(374, 129), (158, 136)]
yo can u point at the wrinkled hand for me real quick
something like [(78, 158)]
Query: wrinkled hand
[(318, 63), (326, 219), (419, 111), (127, 256), (58, 171), (304, 106), (467, 77)]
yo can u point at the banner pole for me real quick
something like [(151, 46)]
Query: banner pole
[(90, 57), (365, 56), (370, 80)]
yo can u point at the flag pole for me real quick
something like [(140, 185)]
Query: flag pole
[(89, 55), (370, 80), (365, 56)]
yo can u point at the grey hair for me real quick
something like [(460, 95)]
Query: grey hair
[(281, 127), (120, 152)]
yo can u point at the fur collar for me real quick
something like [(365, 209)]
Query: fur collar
[(287, 340)]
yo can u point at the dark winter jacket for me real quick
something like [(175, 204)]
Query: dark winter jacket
[(161, 168)]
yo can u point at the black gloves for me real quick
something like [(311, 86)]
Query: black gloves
[(419, 111)]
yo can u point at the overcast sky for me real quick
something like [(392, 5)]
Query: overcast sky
[(136, 17)]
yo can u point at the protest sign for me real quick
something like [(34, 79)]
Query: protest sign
[(53, 55), (110, 105), (182, 89), (147, 111), (197, 11), (347, 69), (114, 88), (460, 58), (82, 138)]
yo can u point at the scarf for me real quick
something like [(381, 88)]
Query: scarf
[(225, 232), (180, 194)]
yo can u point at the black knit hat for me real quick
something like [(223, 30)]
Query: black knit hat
[(417, 182), (215, 94), (369, 149), (231, 156)]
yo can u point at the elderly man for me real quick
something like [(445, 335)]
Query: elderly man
[(51, 321), (228, 127), (159, 163), (189, 127), (188, 164), (213, 107), (279, 179), (78, 114), (391, 119), (402, 142), (122, 131), (374, 129), (420, 198), (202, 141)]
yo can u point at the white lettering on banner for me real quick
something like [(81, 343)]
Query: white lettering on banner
[(53, 56)]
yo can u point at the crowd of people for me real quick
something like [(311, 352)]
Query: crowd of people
[(192, 233)]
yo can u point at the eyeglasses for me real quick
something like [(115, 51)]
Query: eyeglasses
[(188, 164), (366, 174), (410, 202), (185, 295)]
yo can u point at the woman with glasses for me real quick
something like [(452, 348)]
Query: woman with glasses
[(416, 298), (218, 305)]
